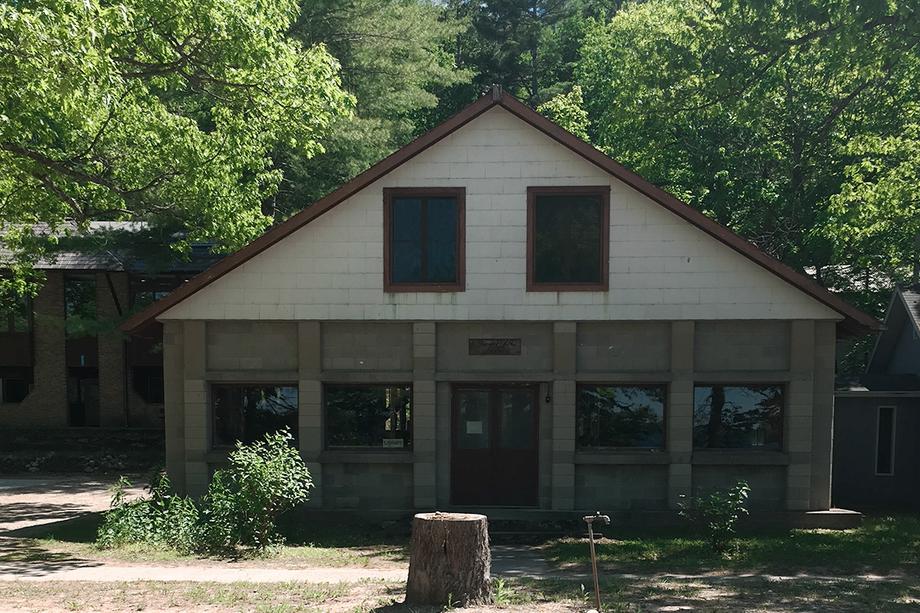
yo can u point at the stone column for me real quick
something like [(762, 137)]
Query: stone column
[(197, 430), (174, 397), (111, 304), (679, 416), (423, 415), (310, 404), (563, 415), (823, 414), (798, 423)]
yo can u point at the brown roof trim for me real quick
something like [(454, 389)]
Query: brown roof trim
[(855, 321)]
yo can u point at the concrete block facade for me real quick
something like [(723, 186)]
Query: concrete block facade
[(570, 477)]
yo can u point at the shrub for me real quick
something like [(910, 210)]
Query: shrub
[(718, 512), (244, 501), (161, 519), (241, 508)]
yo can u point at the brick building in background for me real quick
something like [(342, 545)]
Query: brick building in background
[(63, 361)]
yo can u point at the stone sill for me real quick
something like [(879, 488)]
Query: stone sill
[(748, 457), (623, 456), (375, 456)]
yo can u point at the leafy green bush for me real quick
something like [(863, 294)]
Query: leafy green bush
[(718, 512), (163, 519), (244, 501), (241, 508)]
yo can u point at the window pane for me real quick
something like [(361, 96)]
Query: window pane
[(473, 429), (567, 239), (368, 416), (749, 416), (13, 389), (517, 417), (80, 306), (442, 240), (620, 415), (406, 241), (148, 383), (884, 464), (248, 413)]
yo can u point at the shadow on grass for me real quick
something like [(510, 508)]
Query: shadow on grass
[(880, 545), (27, 558)]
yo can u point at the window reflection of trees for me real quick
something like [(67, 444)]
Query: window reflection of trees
[(248, 413), (621, 416), (749, 416), (366, 415)]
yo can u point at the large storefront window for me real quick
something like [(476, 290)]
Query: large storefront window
[(247, 413), (738, 417), (368, 416), (620, 416)]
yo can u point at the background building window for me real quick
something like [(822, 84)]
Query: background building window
[(424, 239), (738, 416), (148, 383), (80, 306), (18, 319), (884, 441), (248, 412), (368, 416), (620, 415), (568, 235), (14, 384)]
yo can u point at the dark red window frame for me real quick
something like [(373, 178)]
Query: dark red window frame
[(603, 191), (459, 194)]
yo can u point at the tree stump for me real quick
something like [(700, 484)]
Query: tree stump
[(449, 560)]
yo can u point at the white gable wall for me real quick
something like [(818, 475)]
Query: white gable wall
[(661, 267)]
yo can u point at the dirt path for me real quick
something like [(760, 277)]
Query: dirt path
[(26, 502)]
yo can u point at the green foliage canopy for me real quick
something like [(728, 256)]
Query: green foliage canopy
[(161, 112)]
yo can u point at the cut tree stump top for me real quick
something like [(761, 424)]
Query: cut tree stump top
[(439, 516)]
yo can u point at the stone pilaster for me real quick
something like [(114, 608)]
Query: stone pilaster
[(197, 430), (424, 429), (799, 419), (310, 404), (823, 414), (563, 415), (679, 416)]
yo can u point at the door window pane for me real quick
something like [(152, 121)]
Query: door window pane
[(517, 420), (368, 416), (620, 416), (247, 413), (473, 427), (738, 416), (567, 239), (884, 457)]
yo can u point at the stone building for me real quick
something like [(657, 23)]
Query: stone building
[(499, 314)]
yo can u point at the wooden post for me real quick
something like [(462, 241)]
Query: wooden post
[(449, 560)]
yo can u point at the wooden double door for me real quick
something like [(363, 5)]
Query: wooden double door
[(494, 449)]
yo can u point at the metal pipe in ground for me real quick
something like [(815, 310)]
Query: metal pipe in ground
[(590, 519)]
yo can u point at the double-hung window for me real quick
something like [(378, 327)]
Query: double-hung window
[(423, 239), (568, 235)]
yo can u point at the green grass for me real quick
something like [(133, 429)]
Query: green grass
[(880, 545), (307, 544)]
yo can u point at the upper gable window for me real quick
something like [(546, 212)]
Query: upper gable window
[(568, 234), (423, 239)]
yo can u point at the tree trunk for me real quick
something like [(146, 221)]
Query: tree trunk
[(449, 560)]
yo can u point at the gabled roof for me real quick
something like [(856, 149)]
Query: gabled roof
[(903, 310), (854, 320)]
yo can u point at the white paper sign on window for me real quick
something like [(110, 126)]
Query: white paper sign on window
[(393, 443), (474, 427)]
